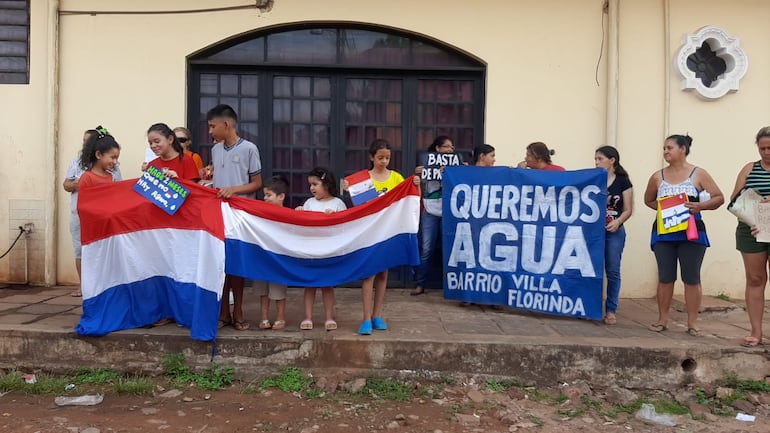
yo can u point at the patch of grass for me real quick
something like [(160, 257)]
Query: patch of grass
[(599, 408), (45, 383), (670, 406), (388, 389), (216, 377), (135, 385), (571, 413), (723, 296), (539, 396), (536, 420), (289, 380), (700, 396), (95, 376), (499, 385)]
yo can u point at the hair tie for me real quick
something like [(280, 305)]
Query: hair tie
[(101, 131)]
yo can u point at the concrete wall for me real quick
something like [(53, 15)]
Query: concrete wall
[(128, 71), (27, 165)]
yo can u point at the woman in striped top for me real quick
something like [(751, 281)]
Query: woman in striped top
[(754, 175)]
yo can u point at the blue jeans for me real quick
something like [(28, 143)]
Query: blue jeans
[(613, 250), (430, 228)]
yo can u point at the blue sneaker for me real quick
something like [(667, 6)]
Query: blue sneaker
[(379, 324), (365, 328)]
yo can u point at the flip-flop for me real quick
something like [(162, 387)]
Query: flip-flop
[(278, 325), (164, 321), (306, 325), (222, 323), (610, 319), (417, 291), (77, 294), (657, 327), (241, 325), (693, 332), (265, 324), (330, 325), (751, 341)]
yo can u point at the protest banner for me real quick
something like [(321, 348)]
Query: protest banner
[(433, 163), (529, 239)]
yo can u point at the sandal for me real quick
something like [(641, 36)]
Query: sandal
[(417, 291), (163, 322), (657, 327), (330, 325), (222, 323), (306, 325), (278, 325), (241, 325), (77, 294), (610, 319), (265, 324), (751, 341), (693, 332)]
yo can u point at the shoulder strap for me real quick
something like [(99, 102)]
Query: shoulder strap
[(692, 172), (661, 175)]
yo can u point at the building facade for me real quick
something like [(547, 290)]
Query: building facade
[(314, 82)]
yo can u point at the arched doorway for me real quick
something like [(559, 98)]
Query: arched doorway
[(318, 93)]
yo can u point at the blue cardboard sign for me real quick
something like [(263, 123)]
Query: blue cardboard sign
[(164, 192), (528, 239)]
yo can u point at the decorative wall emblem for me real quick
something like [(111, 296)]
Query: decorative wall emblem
[(711, 62)]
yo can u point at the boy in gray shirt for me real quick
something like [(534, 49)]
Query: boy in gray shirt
[(237, 171)]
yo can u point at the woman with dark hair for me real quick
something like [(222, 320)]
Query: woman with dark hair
[(430, 221), (620, 205), (538, 157), (171, 158), (754, 175), (484, 156), (680, 177)]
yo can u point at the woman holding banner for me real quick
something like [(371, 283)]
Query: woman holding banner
[(679, 192), (756, 176), (620, 206), (430, 221)]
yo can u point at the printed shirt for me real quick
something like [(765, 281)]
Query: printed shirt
[(667, 189), (615, 197), (393, 180)]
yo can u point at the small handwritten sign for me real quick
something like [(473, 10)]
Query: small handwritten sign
[(433, 163), (164, 192), (763, 221), (361, 187)]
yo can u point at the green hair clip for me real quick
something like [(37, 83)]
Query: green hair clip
[(101, 131)]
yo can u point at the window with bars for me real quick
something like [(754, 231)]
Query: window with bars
[(14, 42)]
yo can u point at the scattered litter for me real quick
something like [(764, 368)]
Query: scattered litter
[(648, 413), (745, 417), (69, 387), (81, 400), (29, 378), (4, 393)]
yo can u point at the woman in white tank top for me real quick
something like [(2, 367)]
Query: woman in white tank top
[(679, 176)]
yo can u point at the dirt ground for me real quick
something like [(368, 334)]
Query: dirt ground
[(449, 409)]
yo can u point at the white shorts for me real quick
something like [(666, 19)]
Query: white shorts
[(75, 232), (274, 291)]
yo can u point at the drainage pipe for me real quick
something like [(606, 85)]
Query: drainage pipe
[(52, 162), (613, 17), (666, 67)]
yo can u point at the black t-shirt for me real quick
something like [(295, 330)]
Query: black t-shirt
[(615, 197)]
